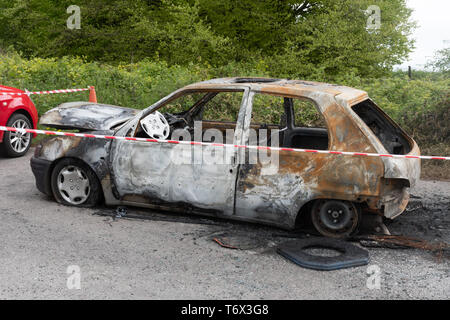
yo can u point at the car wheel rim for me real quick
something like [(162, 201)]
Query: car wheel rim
[(335, 218), (73, 185), (18, 140)]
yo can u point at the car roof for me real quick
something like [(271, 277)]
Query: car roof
[(286, 87)]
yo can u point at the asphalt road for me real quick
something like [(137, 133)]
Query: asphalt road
[(172, 256)]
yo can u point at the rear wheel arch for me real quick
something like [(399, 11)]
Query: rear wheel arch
[(25, 113), (303, 214)]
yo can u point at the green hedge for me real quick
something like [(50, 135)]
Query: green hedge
[(421, 105), (139, 85)]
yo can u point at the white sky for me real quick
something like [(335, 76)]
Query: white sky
[(433, 30)]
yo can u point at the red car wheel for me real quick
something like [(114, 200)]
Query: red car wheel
[(16, 144)]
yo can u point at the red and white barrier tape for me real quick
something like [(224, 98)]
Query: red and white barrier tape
[(86, 135), (5, 93)]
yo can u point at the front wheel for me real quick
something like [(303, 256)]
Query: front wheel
[(336, 218), (75, 184), (16, 144)]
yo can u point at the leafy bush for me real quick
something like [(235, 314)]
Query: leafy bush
[(421, 106)]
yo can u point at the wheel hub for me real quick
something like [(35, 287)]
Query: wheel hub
[(19, 140), (73, 185), (335, 218)]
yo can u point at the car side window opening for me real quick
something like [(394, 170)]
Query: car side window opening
[(310, 129), (268, 119), (215, 110), (298, 122)]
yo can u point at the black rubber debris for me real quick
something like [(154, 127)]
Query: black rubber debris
[(121, 212), (349, 255)]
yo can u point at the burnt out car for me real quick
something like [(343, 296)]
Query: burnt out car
[(276, 187)]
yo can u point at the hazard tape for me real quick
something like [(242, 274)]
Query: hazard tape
[(5, 93), (95, 136)]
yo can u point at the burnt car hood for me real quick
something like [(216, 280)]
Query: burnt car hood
[(86, 116)]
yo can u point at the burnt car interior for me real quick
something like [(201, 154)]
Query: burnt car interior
[(305, 137), (223, 107), (182, 112), (389, 134)]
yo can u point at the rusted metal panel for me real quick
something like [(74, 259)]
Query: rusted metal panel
[(278, 196)]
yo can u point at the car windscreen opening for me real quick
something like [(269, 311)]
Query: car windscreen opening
[(385, 129)]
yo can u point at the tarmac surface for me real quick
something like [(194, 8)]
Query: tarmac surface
[(48, 251)]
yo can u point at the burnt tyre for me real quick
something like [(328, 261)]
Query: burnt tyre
[(335, 218), (75, 184), (349, 255), (16, 144)]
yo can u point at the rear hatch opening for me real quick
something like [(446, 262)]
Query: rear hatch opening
[(391, 136)]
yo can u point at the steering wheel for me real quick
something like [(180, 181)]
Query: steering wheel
[(156, 126)]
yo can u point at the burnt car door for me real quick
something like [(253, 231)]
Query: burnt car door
[(273, 185), (195, 178)]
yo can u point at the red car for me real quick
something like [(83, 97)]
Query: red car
[(16, 111)]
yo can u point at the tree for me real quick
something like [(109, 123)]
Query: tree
[(334, 39), (440, 61), (288, 38), (111, 30)]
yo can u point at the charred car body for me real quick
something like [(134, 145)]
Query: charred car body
[(337, 191)]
